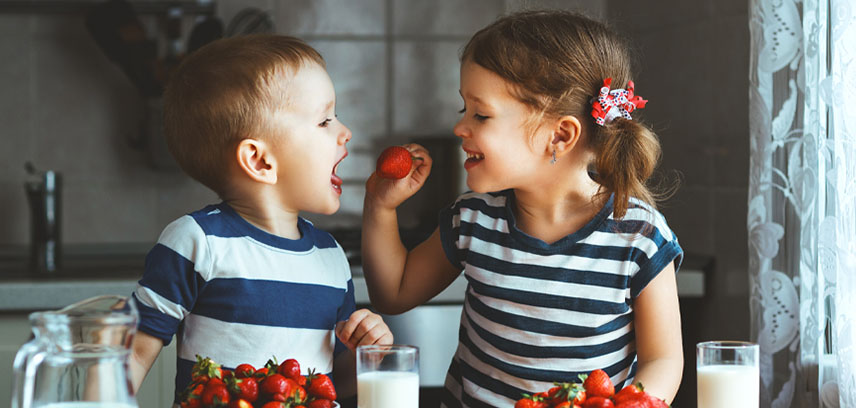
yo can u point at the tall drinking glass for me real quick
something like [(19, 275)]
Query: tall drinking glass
[(728, 374), (387, 376)]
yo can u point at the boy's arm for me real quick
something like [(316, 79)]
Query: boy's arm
[(363, 327), (399, 280), (657, 324), (144, 351)]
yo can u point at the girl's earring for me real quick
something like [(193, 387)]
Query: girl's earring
[(553, 160)]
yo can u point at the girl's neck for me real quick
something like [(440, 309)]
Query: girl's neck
[(560, 210)]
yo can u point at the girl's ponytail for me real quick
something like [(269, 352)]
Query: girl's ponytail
[(627, 154)]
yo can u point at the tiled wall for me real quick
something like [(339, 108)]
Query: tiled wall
[(66, 107)]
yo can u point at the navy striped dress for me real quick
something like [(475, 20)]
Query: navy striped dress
[(230, 291), (536, 313)]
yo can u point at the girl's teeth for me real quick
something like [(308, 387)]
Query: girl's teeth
[(475, 156)]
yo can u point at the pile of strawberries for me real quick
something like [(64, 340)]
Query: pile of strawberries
[(272, 386), (596, 391)]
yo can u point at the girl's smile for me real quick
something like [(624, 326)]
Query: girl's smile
[(473, 159)]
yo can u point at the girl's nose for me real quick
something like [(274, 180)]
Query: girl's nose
[(459, 130)]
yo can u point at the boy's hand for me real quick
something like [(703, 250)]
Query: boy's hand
[(363, 328), (388, 193)]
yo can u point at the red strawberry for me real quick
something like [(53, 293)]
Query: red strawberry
[(273, 404), (598, 402), (629, 392), (244, 388), (320, 403), (276, 384), (192, 392), (204, 369), (215, 395), (321, 386), (244, 371), (240, 403), (637, 402), (598, 384), (261, 373), (300, 394), (565, 391), (213, 382), (394, 163), (290, 369), (529, 402), (655, 402)]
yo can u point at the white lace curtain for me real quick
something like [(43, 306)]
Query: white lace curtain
[(802, 200)]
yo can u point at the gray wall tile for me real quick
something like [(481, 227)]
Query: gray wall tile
[(326, 17), (651, 15), (426, 83), (730, 120), (732, 250), (15, 227), (109, 211), (595, 9), (177, 195), (16, 102), (358, 71), (444, 17), (671, 75)]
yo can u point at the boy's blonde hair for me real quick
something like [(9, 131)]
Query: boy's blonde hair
[(556, 62), (226, 92)]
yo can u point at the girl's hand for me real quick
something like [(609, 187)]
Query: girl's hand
[(389, 194), (363, 327)]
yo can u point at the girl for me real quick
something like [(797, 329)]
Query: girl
[(569, 265)]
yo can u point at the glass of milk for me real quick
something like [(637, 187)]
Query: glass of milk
[(728, 374), (387, 376)]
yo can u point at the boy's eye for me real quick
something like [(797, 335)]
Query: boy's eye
[(325, 122)]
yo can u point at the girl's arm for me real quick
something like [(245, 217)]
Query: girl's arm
[(399, 280), (658, 336)]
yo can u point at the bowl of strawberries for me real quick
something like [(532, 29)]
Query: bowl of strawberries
[(275, 385), (594, 391)]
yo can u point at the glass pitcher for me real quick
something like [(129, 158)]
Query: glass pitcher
[(78, 357)]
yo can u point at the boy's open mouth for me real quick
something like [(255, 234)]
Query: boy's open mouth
[(336, 181), (473, 159)]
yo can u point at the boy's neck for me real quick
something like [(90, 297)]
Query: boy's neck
[(269, 218)]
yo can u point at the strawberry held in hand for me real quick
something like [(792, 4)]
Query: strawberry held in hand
[(394, 163)]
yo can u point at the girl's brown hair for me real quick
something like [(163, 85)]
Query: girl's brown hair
[(226, 92), (556, 62)]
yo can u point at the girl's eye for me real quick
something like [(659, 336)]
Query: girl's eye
[(464, 109), (480, 118), (325, 123)]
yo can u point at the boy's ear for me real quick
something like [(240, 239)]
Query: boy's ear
[(256, 161), (565, 136)]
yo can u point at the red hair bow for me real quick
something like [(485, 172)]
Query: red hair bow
[(611, 104)]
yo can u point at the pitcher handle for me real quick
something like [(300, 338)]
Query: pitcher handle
[(27, 360)]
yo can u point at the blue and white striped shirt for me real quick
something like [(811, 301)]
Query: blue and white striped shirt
[(237, 294), (536, 313)]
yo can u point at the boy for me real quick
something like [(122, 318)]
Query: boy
[(253, 118)]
